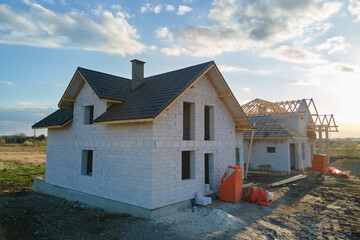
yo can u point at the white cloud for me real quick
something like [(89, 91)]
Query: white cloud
[(6, 83), (354, 9), (256, 24), (175, 50), (147, 7), (164, 33), (226, 68), (246, 89), (26, 104), (293, 54), (347, 68), (153, 47), (157, 9), (183, 10), (41, 27), (169, 8), (333, 45), (333, 89)]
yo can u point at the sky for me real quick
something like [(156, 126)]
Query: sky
[(270, 49)]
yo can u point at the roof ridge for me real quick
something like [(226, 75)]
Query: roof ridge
[(181, 69), (103, 73)]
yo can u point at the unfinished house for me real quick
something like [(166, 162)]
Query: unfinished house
[(286, 132), (143, 145)]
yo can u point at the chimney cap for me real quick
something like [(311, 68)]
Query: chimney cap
[(137, 60)]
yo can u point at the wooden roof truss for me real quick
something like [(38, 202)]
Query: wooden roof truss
[(317, 122)]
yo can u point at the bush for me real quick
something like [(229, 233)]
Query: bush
[(2, 141), (28, 143)]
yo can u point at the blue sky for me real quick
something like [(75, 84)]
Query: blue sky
[(273, 50)]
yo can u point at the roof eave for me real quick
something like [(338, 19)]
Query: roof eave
[(54, 126), (141, 120)]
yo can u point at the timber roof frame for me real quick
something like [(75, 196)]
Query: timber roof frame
[(317, 122)]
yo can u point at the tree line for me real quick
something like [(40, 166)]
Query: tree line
[(21, 138)]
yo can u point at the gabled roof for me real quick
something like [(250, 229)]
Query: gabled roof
[(107, 87), (154, 96), (57, 119), (268, 127)]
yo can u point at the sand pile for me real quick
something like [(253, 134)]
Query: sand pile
[(202, 221), (352, 166), (223, 220)]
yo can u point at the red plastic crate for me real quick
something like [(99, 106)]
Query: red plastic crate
[(320, 162)]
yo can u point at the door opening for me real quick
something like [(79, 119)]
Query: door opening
[(292, 155)]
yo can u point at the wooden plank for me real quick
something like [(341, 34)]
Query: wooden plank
[(247, 185), (249, 154), (288, 180), (300, 159), (224, 95)]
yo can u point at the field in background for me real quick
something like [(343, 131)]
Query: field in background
[(19, 165)]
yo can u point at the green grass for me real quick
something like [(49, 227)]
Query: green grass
[(18, 177)]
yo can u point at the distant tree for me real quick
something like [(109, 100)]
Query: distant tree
[(2, 141), (41, 137)]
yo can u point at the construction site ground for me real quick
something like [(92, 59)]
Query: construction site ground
[(306, 209)]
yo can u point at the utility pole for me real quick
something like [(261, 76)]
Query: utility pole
[(34, 136)]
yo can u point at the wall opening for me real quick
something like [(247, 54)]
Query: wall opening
[(209, 169), (237, 156), (89, 115), (188, 121), (292, 155), (87, 162), (303, 150), (271, 149), (187, 165), (209, 123)]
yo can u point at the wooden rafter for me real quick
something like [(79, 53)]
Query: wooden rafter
[(316, 123)]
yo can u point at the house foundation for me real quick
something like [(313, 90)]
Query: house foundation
[(109, 205)]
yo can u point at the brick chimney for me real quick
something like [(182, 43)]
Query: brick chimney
[(137, 73)]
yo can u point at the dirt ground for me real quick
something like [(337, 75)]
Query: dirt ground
[(307, 209)]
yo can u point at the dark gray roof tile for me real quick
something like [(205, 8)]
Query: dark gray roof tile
[(57, 118), (266, 127), (154, 95), (105, 85)]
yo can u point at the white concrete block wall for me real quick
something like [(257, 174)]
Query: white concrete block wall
[(167, 185), (279, 161), (122, 156), (307, 160), (140, 163)]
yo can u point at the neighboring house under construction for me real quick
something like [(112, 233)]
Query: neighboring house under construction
[(286, 134)]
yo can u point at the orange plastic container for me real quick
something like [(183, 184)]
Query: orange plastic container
[(230, 190), (320, 162)]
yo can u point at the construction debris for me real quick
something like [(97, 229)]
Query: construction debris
[(247, 185), (288, 180), (258, 195)]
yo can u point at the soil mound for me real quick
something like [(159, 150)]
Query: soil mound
[(348, 165)]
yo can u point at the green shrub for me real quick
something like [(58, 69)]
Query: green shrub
[(28, 143)]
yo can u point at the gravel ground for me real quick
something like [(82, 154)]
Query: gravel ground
[(307, 209)]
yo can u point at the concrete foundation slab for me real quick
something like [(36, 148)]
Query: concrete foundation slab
[(112, 206)]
